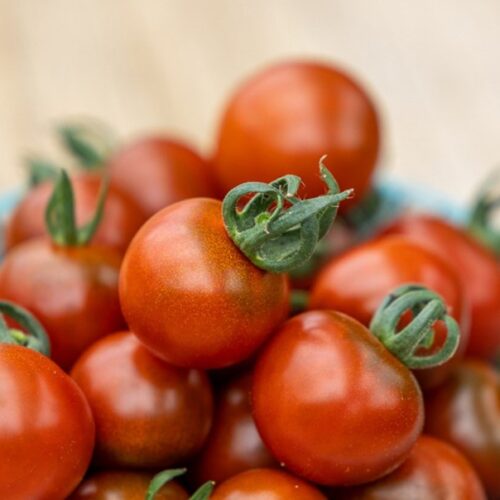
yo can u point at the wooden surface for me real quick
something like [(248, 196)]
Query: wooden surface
[(169, 64)]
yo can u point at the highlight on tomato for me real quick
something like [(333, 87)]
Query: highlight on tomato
[(46, 427)]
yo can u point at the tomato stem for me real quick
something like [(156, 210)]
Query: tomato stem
[(298, 301), (427, 308), (163, 477), (275, 229), (40, 170)]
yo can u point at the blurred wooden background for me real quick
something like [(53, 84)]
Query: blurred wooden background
[(169, 64)]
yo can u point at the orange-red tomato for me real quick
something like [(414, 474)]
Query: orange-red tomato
[(121, 485), (148, 414), (156, 172), (356, 282), (265, 484), (120, 221), (286, 117), (191, 296), (434, 471), (332, 404), (73, 291), (476, 267), (46, 428)]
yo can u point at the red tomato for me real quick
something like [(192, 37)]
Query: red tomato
[(124, 486), (465, 411), (46, 428), (121, 218), (73, 291), (191, 296), (156, 172), (234, 444), (356, 282), (265, 484), (477, 268), (148, 414), (289, 115), (332, 404), (434, 471)]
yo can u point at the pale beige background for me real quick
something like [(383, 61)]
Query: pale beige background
[(432, 65)]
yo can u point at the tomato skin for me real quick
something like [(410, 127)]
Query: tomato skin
[(148, 414), (121, 218), (121, 485), (433, 471), (465, 411), (46, 428), (73, 291), (234, 444), (476, 267), (379, 267), (285, 118), (156, 172), (205, 304), (332, 404), (265, 484)]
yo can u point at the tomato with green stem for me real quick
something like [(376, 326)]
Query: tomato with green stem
[(46, 427)]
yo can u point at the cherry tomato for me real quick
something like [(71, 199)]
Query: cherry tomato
[(332, 404), (465, 411), (73, 291), (191, 296), (289, 115), (356, 282), (477, 268), (234, 444), (156, 172), (46, 427), (265, 484), (115, 485), (121, 218), (433, 471), (148, 414)]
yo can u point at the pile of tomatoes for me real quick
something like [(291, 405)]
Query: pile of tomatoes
[(173, 323)]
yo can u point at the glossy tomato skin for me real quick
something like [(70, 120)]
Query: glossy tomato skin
[(73, 291), (332, 404), (157, 171), (356, 282), (234, 444), (285, 118), (433, 471), (465, 411), (476, 267), (148, 414), (265, 484), (205, 304), (124, 485), (46, 428), (121, 218)]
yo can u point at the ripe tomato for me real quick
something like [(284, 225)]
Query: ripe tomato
[(476, 267), (234, 444), (73, 291), (265, 484), (433, 471), (205, 304), (46, 427), (121, 217), (124, 486), (289, 115), (356, 282), (148, 414), (465, 411), (155, 172), (332, 404)]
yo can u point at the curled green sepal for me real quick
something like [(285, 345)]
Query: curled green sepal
[(35, 337), (60, 214), (40, 170), (275, 229), (427, 308), (163, 477)]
